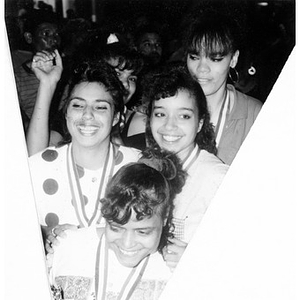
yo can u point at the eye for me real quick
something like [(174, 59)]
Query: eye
[(193, 56), (77, 105), (101, 107), (144, 232), (159, 114), (185, 117), (133, 78), (216, 58), (114, 228)]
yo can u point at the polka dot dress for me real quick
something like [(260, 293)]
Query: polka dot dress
[(53, 190)]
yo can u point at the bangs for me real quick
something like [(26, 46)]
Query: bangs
[(210, 44), (130, 64)]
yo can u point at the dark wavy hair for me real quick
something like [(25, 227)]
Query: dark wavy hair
[(128, 59), (212, 33), (147, 187), (166, 82), (94, 70)]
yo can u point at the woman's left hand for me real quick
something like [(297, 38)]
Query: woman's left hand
[(173, 252)]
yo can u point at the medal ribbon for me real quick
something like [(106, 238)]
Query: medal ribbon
[(76, 191), (222, 118), (102, 267), (188, 162)]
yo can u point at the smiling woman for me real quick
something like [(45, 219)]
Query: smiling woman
[(69, 180), (122, 261)]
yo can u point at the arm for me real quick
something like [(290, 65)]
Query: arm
[(37, 136)]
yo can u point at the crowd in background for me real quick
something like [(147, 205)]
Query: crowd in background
[(269, 30), (132, 122)]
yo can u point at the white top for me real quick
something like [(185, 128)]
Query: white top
[(74, 269), (205, 175)]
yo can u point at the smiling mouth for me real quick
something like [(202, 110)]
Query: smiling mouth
[(171, 138), (128, 253), (87, 129)]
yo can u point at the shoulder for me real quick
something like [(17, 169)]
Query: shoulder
[(50, 154), (81, 239), (212, 160), (155, 263), (245, 100), (130, 152)]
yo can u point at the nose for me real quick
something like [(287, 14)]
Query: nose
[(125, 83), (171, 122), (203, 66), (88, 113), (128, 240)]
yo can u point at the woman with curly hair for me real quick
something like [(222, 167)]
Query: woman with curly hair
[(178, 121), (124, 260), (69, 180)]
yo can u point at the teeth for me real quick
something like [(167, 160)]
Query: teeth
[(87, 129), (171, 138), (128, 253)]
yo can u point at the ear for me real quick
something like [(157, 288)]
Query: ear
[(200, 125), (234, 59), (28, 37), (116, 119)]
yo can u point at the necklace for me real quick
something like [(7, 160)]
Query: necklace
[(225, 108), (76, 190), (102, 266)]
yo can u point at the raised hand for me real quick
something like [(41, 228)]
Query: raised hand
[(47, 66)]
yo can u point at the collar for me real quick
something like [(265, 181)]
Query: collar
[(240, 105)]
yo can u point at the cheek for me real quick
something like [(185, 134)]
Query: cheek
[(154, 124), (153, 242), (132, 87)]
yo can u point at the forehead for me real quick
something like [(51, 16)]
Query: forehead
[(47, 26), (150, 36), (115, 63), (206, 46), (155, 221), (91, 91), (182, 99)]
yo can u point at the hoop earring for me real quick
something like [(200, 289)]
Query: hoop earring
[(234, 76)]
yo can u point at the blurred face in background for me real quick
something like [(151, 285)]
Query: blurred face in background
[(46, 37), (127, 78), (150, 46)]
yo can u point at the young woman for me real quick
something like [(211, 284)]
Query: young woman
[(212, 51), (122, 261), (127, 64), (70, 180), (178, 121)]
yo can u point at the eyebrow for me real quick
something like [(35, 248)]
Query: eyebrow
[(97, 100), (180, 108), (140, 228)]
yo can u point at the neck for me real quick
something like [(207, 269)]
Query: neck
[(90, 158), (185, 153), (214, 103)]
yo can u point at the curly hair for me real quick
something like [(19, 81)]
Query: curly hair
[(147, 187), (128, 59), (166, 82), (90, 70)]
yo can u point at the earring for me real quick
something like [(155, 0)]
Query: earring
[(234, 75)]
